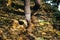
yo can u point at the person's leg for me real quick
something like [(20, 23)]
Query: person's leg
[(27, 10), (37, 5), (37, 2)]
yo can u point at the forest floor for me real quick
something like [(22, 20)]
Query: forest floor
[(13, 26)]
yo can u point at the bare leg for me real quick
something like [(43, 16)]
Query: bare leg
[(37, 2), (27, 10)]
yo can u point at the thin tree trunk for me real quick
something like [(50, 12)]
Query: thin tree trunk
[(27, 10)]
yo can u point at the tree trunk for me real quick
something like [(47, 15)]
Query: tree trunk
[(27, 10)]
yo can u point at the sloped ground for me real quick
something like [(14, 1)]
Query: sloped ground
[(40, 28)]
